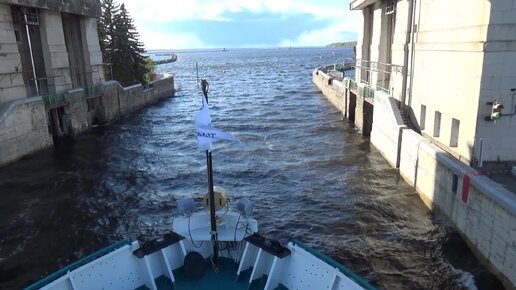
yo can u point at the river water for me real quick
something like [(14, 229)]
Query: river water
[(310, 175)]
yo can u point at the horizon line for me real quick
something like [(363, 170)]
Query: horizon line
[(246, 47)]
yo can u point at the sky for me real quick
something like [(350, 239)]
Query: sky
[(188, 24)]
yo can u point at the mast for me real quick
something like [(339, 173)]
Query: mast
[(214, 238)]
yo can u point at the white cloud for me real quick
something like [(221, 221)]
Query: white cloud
[(153, 13), (159, 40), (164, 11), (334, 33)]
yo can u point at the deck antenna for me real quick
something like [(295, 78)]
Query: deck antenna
[(214, 236)]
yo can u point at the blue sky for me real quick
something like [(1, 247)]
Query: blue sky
[(242, 23)]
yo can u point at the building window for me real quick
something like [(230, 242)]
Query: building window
[(437, 124), (454, 138), (455, 182), (422, 118), (390, 7)]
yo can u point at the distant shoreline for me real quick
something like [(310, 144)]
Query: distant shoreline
[(204, 50), (342, 44)]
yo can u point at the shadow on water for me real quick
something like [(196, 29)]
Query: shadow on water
[(311, 177)]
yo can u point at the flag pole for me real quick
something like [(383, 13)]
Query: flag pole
[(214, 238)]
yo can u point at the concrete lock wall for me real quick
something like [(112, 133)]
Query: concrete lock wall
[(77, 112), (337, 93), (55, 53), (12, 86), (23, 128), (116, 101), (109, 108), (334, 90), (135, 97), (387, 125), (481, 210), (24, 124)]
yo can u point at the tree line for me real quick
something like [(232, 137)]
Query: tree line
[(120, 45)]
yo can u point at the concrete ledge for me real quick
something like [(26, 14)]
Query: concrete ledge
[(131, 87), (23, 129), (491, 189), (9, 106)]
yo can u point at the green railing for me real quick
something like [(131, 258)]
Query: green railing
[(56, 275), (55, 99), (94, 90), (368, 92), (60, 99), (385, 90), (353, 85)]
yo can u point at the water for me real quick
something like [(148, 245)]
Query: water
[(310, 175)]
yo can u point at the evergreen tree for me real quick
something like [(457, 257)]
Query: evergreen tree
[(121, 45), (106, 30)]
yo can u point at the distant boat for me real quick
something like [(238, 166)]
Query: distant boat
[(224, 49)]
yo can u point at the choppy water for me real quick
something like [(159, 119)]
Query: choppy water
[(310, 175)]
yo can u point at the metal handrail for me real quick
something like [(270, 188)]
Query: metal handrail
[(368, 92), (338, 70), (382, 69), (55, 99), (374, 66)]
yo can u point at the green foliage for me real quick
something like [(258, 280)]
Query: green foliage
[(342, 44), (151, 68), (120, 45)]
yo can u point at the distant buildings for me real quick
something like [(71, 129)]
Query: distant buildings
[(452, 66)]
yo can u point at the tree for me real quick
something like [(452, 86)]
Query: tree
[(106, 29), (121, 45)]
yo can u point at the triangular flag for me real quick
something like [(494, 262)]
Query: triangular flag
[(206, 133)]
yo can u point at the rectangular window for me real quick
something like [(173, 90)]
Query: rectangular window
[(437, 124), (422, 118), (390, 7), (455, 183), (454, 138)]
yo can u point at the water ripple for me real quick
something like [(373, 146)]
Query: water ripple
[(311, 177)]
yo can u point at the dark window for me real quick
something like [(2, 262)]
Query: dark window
[(455, 183), (390, 7), (454, 138), (422, 118), (437, 124)]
